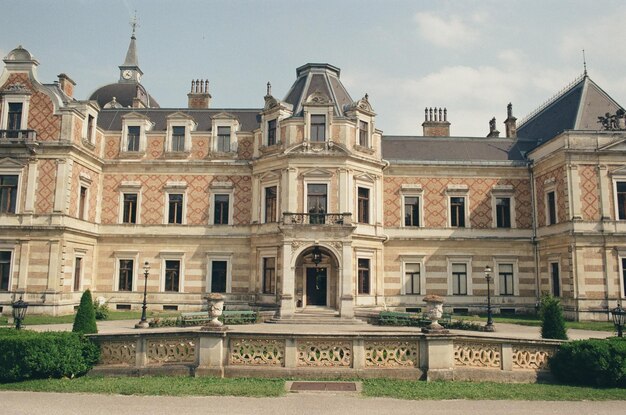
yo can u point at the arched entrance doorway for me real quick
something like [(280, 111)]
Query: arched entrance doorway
[(317, 278)]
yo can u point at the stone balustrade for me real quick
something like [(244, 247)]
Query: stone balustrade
[(393, 355)]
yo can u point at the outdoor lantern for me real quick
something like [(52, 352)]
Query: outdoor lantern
[(619, 319), (19, 312), (317, 255), (143, 323), (489, 325)]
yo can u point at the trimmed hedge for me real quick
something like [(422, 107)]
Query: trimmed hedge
[(552, 321), (31, 355), (85, 320), (591, 362)]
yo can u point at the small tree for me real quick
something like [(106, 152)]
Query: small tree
[(552, 321), (85, 320)]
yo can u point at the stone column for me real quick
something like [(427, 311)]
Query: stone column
[(378, 198), (343, 191), (61, 188), (256, 202), (54, 266), (605, 187), (290, 191), (288, 286), (23, 272), (346, 309), (31, 186), (574, 184)]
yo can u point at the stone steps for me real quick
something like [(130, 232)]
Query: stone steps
[(315, 315)]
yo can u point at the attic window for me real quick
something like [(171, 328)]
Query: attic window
[(318, 127)]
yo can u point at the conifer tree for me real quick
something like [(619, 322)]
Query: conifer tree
[(85, 320), (552, 321)]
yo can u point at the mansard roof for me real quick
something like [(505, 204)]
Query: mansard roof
[(111, 119), (452, 149), (577, 107)]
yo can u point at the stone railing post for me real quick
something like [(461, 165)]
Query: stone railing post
[(506, 354), (358, 354), (141, 353), (291, 353), (211, 353), (437, 357)]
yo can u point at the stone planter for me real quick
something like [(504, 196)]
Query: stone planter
[(215, 308), (434, 311)]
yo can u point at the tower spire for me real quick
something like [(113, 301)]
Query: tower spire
[(584, 63), (129, 70)]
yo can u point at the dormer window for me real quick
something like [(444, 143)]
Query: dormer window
[(363, 134), (15, 116), (318, 127), (271, 132), (133, 136), (223, 139), (178, 138), (134, 128)]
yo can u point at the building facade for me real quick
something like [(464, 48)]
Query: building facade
[(303, 203)]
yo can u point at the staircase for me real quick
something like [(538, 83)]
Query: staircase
[(315, 315)]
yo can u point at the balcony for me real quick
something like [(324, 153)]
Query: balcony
[(17, 136), (327, 219)]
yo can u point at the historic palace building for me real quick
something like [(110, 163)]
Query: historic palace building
[(303, 203)]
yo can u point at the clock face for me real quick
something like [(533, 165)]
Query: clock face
[(127, 74)]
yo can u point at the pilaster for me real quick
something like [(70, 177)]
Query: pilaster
[(604, 189), (61, 202), (287, 286), (24, 260), (573, 175), (31, 186), (346, 309)]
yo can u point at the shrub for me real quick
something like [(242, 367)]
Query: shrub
[(163, 322), (85, 320), (101, 310), (30, 355), (552, 321), (591, 362)]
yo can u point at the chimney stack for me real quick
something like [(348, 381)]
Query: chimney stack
[(199, 97), (493, 131), (436, 122), (66, 84), (510, 122)]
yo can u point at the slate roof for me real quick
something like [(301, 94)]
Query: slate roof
[(455, 149), (111, 119), (124, 93)]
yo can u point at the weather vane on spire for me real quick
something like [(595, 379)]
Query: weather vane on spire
[(134, 23), (584, 62)]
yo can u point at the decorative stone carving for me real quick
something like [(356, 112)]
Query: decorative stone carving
[(477, 355), (531, 358), (318, 97), (434, 311), (391, 354), (17, 88), (257, 352), (325, 353), (178, 350), (215, 309), (118, 353)]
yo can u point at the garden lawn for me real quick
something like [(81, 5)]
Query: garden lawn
[(536, 322)]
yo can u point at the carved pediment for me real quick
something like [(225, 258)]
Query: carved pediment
[(328, 148), (178, 115), (16, 88), (224, 116), (620, 171), (619, 145), (269, 176), (9, 163), (362, 105), (318, 98), (317, 173), (365, 177), (135, 116)]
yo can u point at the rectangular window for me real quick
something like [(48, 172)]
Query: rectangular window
[(316, 203), (269, 275), (556, 279), (364, 276), (126, 275), (178, 138), (270, 204), (90, 122), (318, 128), (457, 212), (364, 205), (15, 117), (175, 208), (363, 132), (172, 275), (411, 211), (78, 269), (459, 279), (503, 212), (551, 202), (624, 276), (220, 210), (218, 276), (130, 208), (271, 132), (621, 200), (223, 139), (133, 138), (5, 270), (82, 203), (8, 193), (412, 278), (505, 275)]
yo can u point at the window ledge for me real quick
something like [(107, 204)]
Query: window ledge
[(177, 154), (89, 144), (132, 154), (368, 150)]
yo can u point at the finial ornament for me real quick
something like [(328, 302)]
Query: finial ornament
[(134, 23), (269, 88), (584, 62)]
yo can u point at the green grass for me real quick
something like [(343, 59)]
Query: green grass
[(32, 320), (420, 390), (157, 385), (397, 389), (526, 320)]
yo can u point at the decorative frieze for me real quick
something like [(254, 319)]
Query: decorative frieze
[(531, 358), (320, 353), (118, 353), (176, 350), (477, 355), (257, 352), (381, 354)]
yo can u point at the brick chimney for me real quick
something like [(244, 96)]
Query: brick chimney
[(436, 122), (510, 122), (493, 131), (66, 84), (199, 97)]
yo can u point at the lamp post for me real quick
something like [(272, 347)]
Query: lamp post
[(619, 319), (489, 325), (19, 312), (143, 323)]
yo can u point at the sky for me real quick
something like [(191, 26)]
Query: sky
[(471, 57)]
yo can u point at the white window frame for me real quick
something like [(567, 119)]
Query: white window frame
[(267, 253), (225, 120), (175, 188), (412, 191), (84, 180), (498, 192), (617, 179), (172, 256), (316, 180), (264, 186), (23, 99), (129, 188), (225, 189), (370, 202), (371, 256), (85, 133), (325, 110), (467, 260), (121, 256), (266, 131), (555, 260), (621, 254), (135, 120), (368, 139), (219, 256), (505, 260), (10, 249), (412, 259), (14, 171), (458, 191), (78, 253), (550, 186)]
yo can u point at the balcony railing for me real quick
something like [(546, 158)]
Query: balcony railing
[(317, 218), (17, 136)]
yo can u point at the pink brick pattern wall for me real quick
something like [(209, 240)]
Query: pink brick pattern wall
[(589, 197), (561, 192), (46, 183)]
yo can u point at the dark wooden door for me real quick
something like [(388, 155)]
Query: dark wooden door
[(316, 286)]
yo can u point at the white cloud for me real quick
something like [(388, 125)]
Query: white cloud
[(451, 32)]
